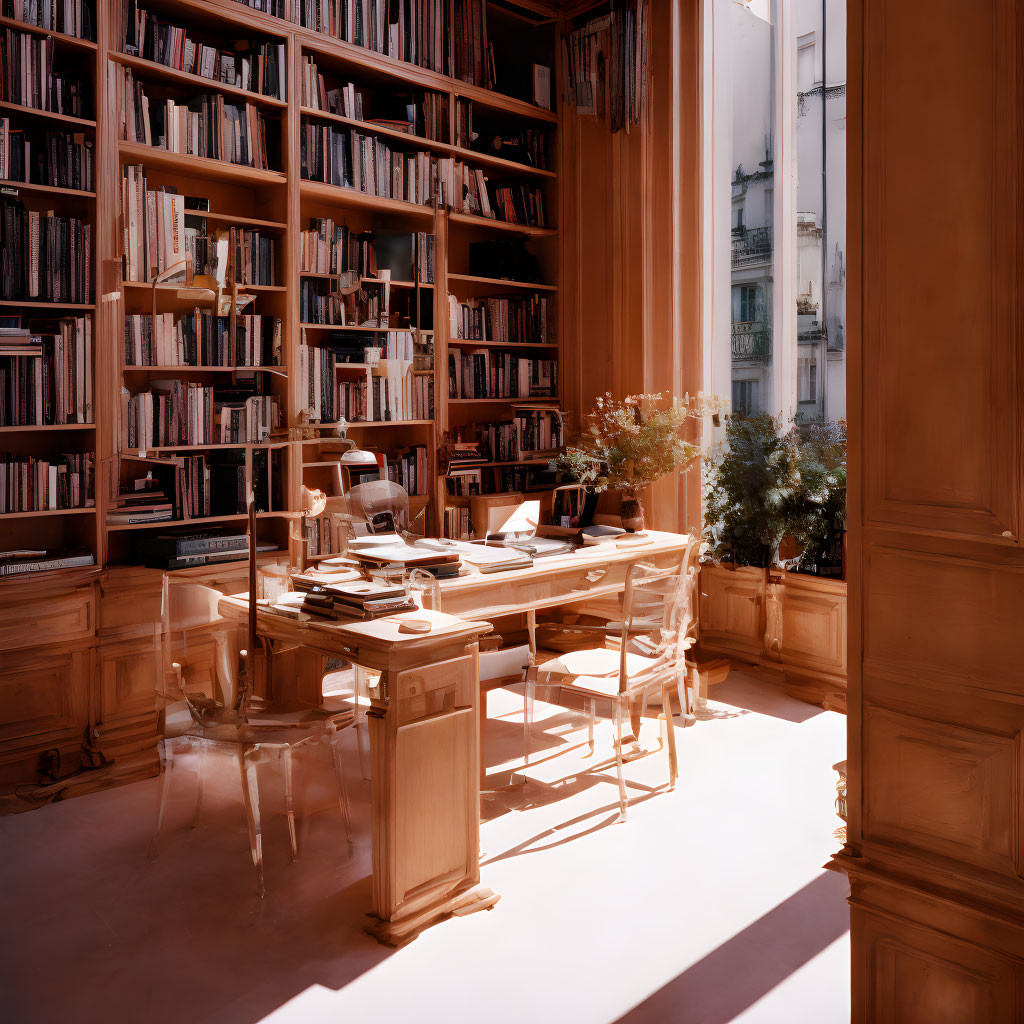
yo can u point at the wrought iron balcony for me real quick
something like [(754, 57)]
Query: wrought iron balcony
[(751, 245), (751, 342)]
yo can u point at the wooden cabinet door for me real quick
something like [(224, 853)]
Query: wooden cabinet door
[(935, 847)]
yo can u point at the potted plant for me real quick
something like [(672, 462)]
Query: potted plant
[(627, 444), (749, 486), (817, 512)]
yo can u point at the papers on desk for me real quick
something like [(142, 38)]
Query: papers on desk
[(486, 557), (541, 547)]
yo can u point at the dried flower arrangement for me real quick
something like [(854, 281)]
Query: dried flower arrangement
[(629, 443)]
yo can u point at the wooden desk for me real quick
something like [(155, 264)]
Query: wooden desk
[(424, 726), (424, 750), (587, 574)]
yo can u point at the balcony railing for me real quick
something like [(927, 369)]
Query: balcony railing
[(751, 245), (751, 342)]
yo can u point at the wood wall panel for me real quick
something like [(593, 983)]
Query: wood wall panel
[(944, 788), (936, 576), (943, 231)]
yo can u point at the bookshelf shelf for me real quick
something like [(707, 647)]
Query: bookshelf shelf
[(50, 190), (152, 70), (199, 166), (354, 327), (342, 196), (186, 368), (4, 516), (72, 42), (171, 286), (512, 167), (23, 428), (499, 283), (518, 402), (489, 224), (242, 220), (363, 280), (352, 424), (500, 103), (50, 115), (466, 343), (164, 524), (28, 304)]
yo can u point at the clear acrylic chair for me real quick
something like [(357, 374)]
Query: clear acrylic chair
[(204, 698), (644, 654)]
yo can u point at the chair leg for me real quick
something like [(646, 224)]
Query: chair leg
[(289, 802), (339, 773), (167, 763), (591, 718), (529, 695), (251, 799), (199, 784), (362, 687), (618, 759), (673, 763)]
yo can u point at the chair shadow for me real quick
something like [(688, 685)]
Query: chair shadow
[(742, 691), (731, 978)]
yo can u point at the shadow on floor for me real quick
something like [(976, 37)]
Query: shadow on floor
[(738, 973), (743, 691)]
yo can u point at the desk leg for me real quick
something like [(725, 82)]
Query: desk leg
[(424, 751)]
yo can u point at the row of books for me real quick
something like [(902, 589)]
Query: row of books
[(498, 480), (72, 17), (409, 469), (364, 307), (489, 374), (207, 125), (523, 320), (331, 248), (179, 489), (28, 77), (59, 159), (29, 484), (473, 56), (46, 378), (457, 524), (605, 65), (198, 338), (395, 397), (530, 432), (468, 190), (256, 65), (175, 413), (425, 116), (350, 159), (411, 30), (47, 257)]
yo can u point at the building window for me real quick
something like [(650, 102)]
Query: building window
[(744, 303), (744, 397), (775, 164)]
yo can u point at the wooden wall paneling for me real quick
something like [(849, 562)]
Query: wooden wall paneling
[(936, 704)]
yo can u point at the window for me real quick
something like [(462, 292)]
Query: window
[(775, 245), (744, 303), (744, 397)]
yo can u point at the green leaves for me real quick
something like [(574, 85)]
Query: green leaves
[(763, 484)]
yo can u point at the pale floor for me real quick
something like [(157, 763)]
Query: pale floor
[(708, 905)]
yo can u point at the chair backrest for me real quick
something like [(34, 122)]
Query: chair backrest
[(382, 503), (661, 603), (204, 645)]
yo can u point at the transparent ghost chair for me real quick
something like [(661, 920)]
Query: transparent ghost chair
[(644, 654), (204, 697), (383, 504)]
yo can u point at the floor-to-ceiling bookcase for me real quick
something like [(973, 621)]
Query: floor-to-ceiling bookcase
[(88, 636)]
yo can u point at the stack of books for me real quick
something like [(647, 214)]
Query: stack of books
[(56, 158), (369, 600), (258, 66), (198, 338), (207, 125), (28, 78), (523, 320), (189, 550), (46, 378), (29, 484), (21, 562), (140, 505), (57, 263)]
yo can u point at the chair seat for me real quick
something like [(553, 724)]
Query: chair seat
[(596, 661)]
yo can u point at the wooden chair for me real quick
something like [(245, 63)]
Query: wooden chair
[(645, 654), (200, 654)]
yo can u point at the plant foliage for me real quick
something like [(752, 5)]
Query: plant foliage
[(630, 443)]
